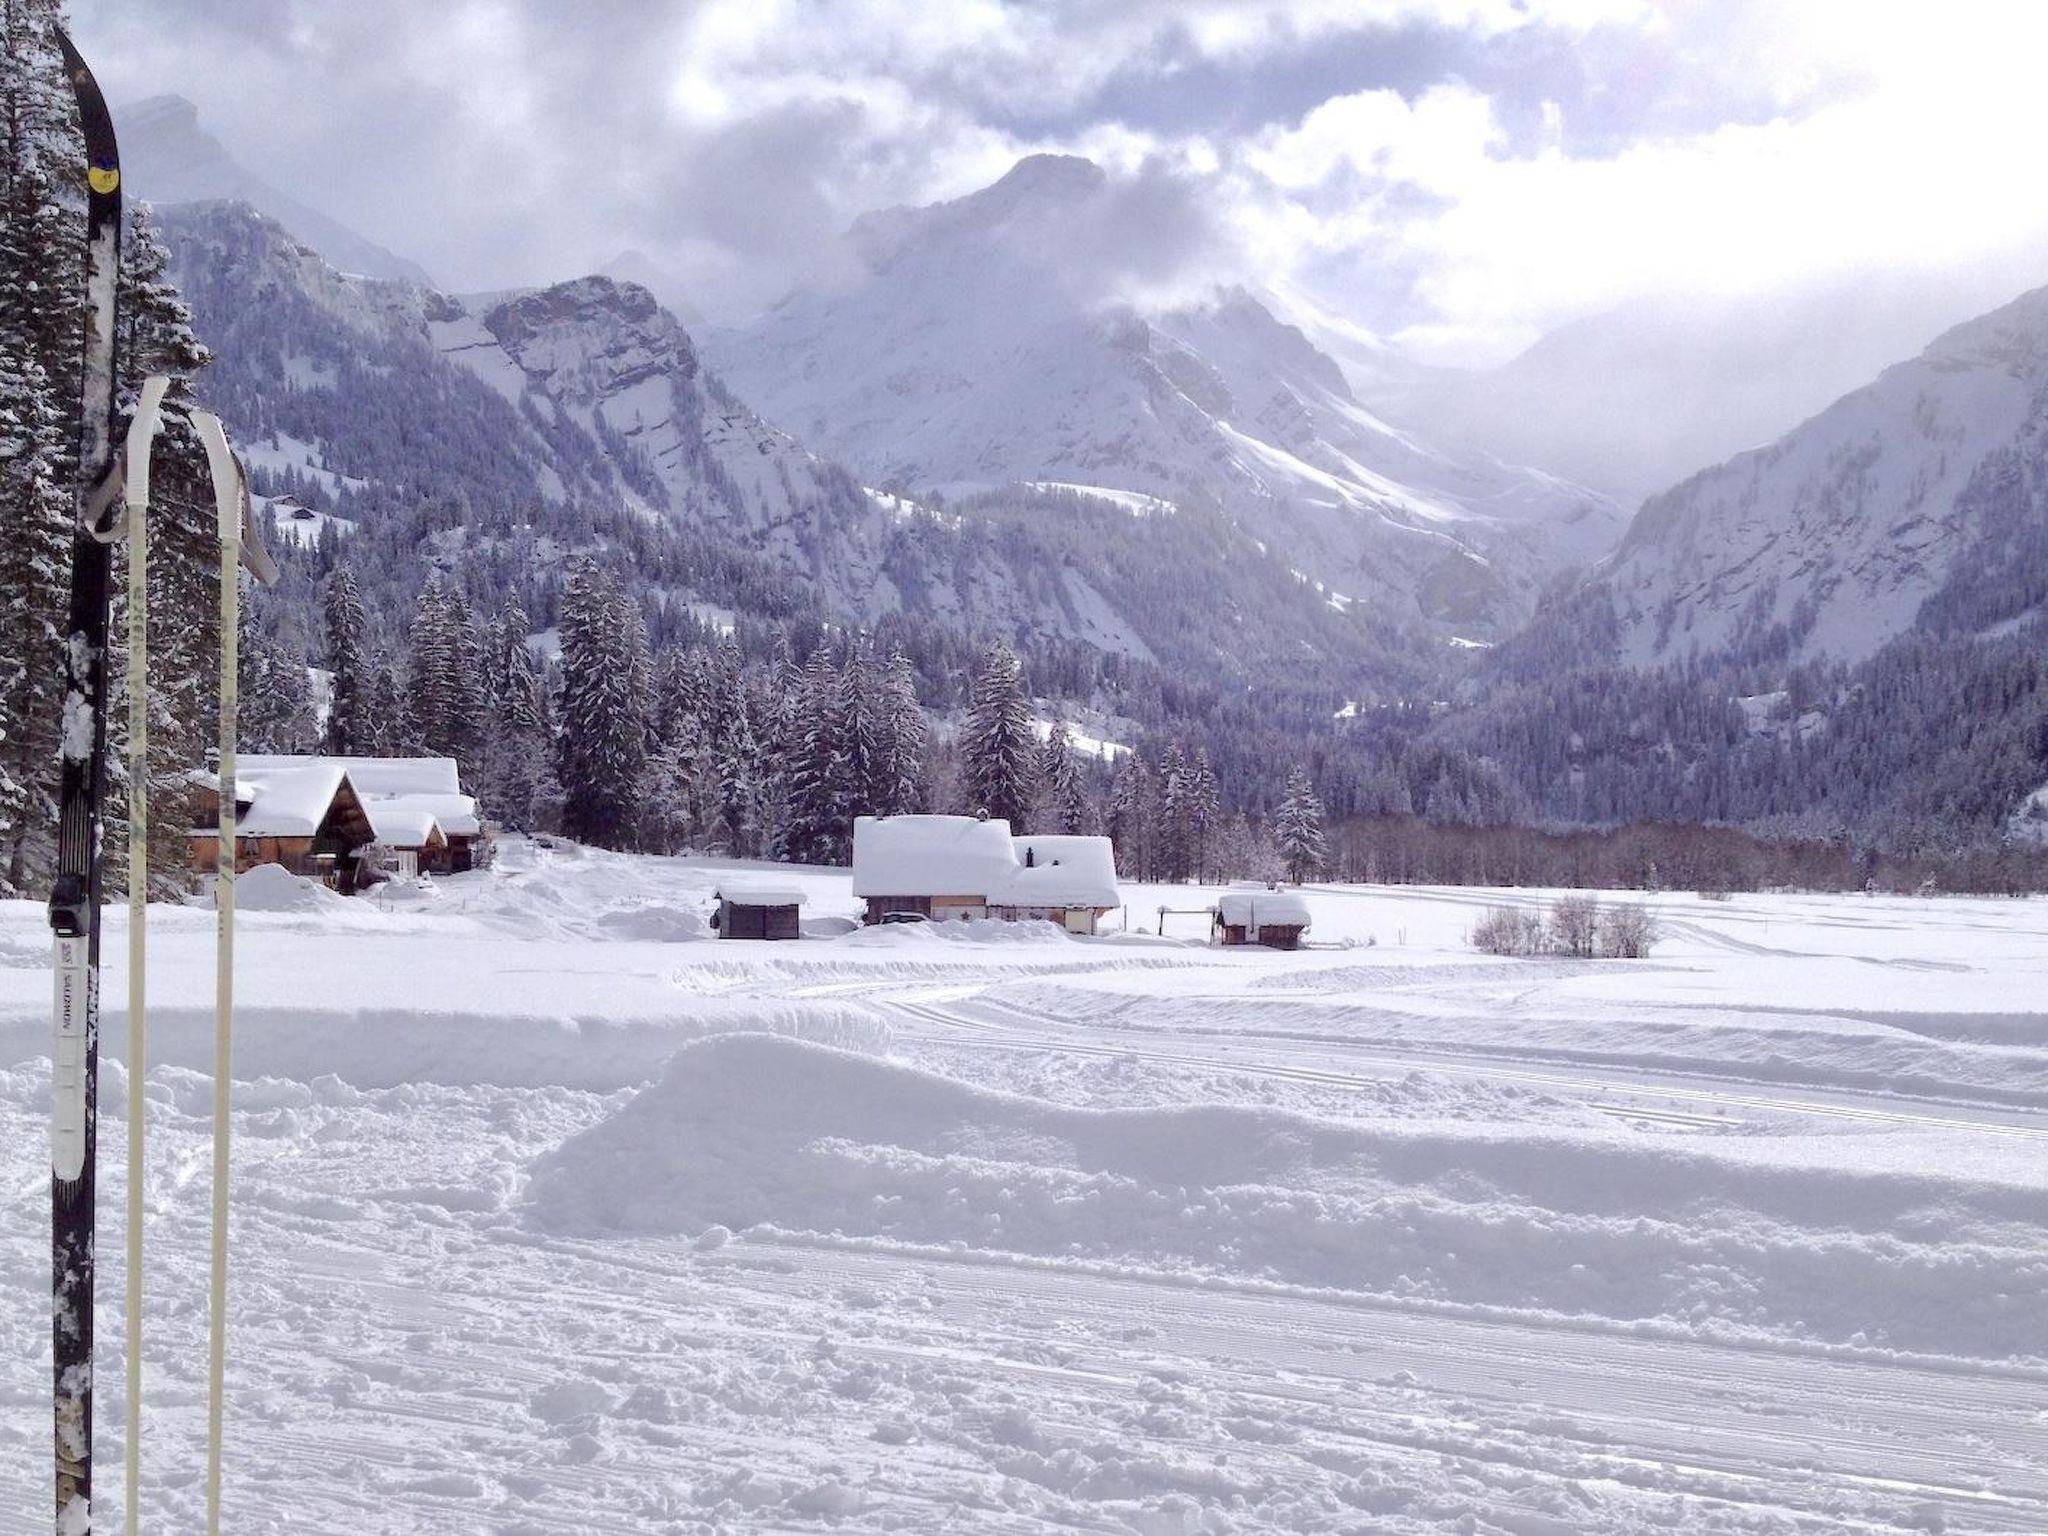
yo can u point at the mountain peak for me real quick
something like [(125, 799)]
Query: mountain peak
[(1052, 175), (1036, 192), (159, 114), (169, 156)]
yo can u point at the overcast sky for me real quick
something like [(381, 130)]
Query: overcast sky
[(1459, 174)]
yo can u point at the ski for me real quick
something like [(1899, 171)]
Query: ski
[(76, 893)]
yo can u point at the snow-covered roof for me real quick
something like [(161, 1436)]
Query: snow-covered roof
[(931, 856), (284, 796), (407, 798), (455, 814), (760, 893), (371, 775), (398, 826), (1060, 871), (967, 856), (1259, 907)]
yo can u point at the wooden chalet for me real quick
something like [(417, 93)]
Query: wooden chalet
[(349, 822), (947, 867)]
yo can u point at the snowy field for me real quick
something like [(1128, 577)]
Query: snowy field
[(552, 1215)]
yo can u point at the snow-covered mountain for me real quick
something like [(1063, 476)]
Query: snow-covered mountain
[(1919, 499), (992, 340), (169, 157), (508, 428), (1633, 400)]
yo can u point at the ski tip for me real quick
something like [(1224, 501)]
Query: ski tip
[(102, 156)]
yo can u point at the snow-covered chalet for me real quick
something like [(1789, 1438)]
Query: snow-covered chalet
[(941, 867), (348, 822)]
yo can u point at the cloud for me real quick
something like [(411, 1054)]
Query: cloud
[(1465, 173)]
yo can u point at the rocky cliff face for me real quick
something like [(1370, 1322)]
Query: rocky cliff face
[(1832, 540)]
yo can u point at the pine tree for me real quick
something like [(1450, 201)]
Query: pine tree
[(1298, 829), (468, 721), (1201, 809), (1170, 843), (777, 726), (276, 712), (900, 775), (1066, 806), (517, 784), (392, 733), (737, 764), (998, 748), (603, 732), (858, 735), (353, 727), (432, 660), (819, 824), (1130, 803), (39, 235)]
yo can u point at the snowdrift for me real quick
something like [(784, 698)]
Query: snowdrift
[(273, 888), (747, 1130)]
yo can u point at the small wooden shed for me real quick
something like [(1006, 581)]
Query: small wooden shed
[(1261, 914), (751, 911)]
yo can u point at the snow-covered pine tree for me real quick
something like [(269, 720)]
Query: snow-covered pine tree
[(999, 758), (1129, 816), (1170, 841), (432, 659), (900, 786), (468, 699), (1201, 809), (518, 786), (819, 823), (35, 520), (1065, 807), (1298, 829), (39, 234), (392, 732), (276, 712), (776, 718), (858, 727), (603, 745), (353, 727), (737, 766)]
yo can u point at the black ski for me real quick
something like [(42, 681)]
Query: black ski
[(75, 896)]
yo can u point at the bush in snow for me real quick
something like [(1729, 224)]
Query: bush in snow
[(1626, 933), (1509, 931), (1575, 926)]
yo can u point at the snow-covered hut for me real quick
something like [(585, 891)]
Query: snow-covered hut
[(347, 821), (756, 909), (942, 867), (1064, 879), (1262, 914)]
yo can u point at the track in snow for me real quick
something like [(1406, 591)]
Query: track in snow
[(1356, 1066)]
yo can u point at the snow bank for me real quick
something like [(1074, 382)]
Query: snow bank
[(746, 1130), (655, 921), (273, 888)]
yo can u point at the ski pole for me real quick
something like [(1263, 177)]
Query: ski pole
[(142, 432), (231, 508)]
